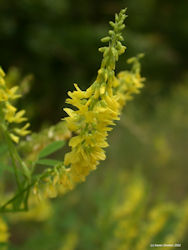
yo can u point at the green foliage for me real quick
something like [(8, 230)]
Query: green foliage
[(51, 148)]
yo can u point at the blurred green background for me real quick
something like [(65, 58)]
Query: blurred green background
[(57, 42)]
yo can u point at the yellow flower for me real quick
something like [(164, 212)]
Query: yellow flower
[(9, 111), (12, 93), (3, 96), (22, 131), (14, 137)]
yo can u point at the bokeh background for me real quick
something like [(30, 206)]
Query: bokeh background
[(55, 43)]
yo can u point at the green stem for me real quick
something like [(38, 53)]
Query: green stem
[(16, 158), (6, 136), (14, 166), (25, 169), (3, 208)]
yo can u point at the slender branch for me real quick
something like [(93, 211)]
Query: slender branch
[(15, 156), (11, 152), (15, 168), (2, 208)]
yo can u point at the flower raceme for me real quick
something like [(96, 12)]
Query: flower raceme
[(8, 112), (99, 106), (94, 113), (92, 120)]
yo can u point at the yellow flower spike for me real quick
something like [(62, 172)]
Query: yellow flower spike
[(87, 149), (94, 112)]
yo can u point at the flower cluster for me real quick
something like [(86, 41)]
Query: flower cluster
[(8, 112), (128, 82), (96, 109), (94, 113)]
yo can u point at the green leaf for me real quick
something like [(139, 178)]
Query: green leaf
[(51, 148), (48, 162)]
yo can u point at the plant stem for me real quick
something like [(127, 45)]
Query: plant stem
[(6, 136), (15, 158), (15, 168)]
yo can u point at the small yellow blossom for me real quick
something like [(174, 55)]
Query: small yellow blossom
[(14, 137)]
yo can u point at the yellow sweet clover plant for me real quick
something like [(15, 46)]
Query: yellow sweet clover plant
[(93, 114)]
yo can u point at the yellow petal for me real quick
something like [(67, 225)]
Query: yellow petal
[(14, 138)]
